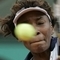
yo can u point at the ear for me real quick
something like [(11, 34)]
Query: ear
[(52, 29)]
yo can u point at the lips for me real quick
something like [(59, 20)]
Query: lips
[(39, 41)]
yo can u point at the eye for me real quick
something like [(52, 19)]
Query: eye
[(40, 20), (40, 23), (22, 22)]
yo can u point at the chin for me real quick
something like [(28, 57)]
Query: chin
[(40, 49)]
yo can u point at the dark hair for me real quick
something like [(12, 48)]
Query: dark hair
[(26, 3)]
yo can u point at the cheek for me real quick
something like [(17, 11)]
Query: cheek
[(47, 35), (27, 45), (47, 31)]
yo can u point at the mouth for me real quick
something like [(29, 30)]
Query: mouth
[(39, 41)]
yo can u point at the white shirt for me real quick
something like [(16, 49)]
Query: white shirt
[(54, 53)]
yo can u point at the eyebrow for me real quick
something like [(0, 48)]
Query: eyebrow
[(37, 18)]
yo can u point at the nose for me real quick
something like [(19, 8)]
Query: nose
[(37, 29), (37, 33)]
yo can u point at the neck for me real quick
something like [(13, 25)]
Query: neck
[(41, 56)]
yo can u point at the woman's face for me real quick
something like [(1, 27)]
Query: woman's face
[(40, 21)]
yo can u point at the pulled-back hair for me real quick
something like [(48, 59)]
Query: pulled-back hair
[(8, 24)]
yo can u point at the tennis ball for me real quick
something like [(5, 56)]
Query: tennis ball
[(24, 32)]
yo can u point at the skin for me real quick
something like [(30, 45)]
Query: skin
[(58, 58), (40, 43)]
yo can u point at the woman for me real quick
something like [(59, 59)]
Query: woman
[(39, 14)]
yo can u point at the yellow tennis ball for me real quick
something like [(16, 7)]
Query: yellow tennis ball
[(24, 32)]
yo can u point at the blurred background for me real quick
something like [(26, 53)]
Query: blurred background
[(10, 48)]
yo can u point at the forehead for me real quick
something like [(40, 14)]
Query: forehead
[(32, 14)]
